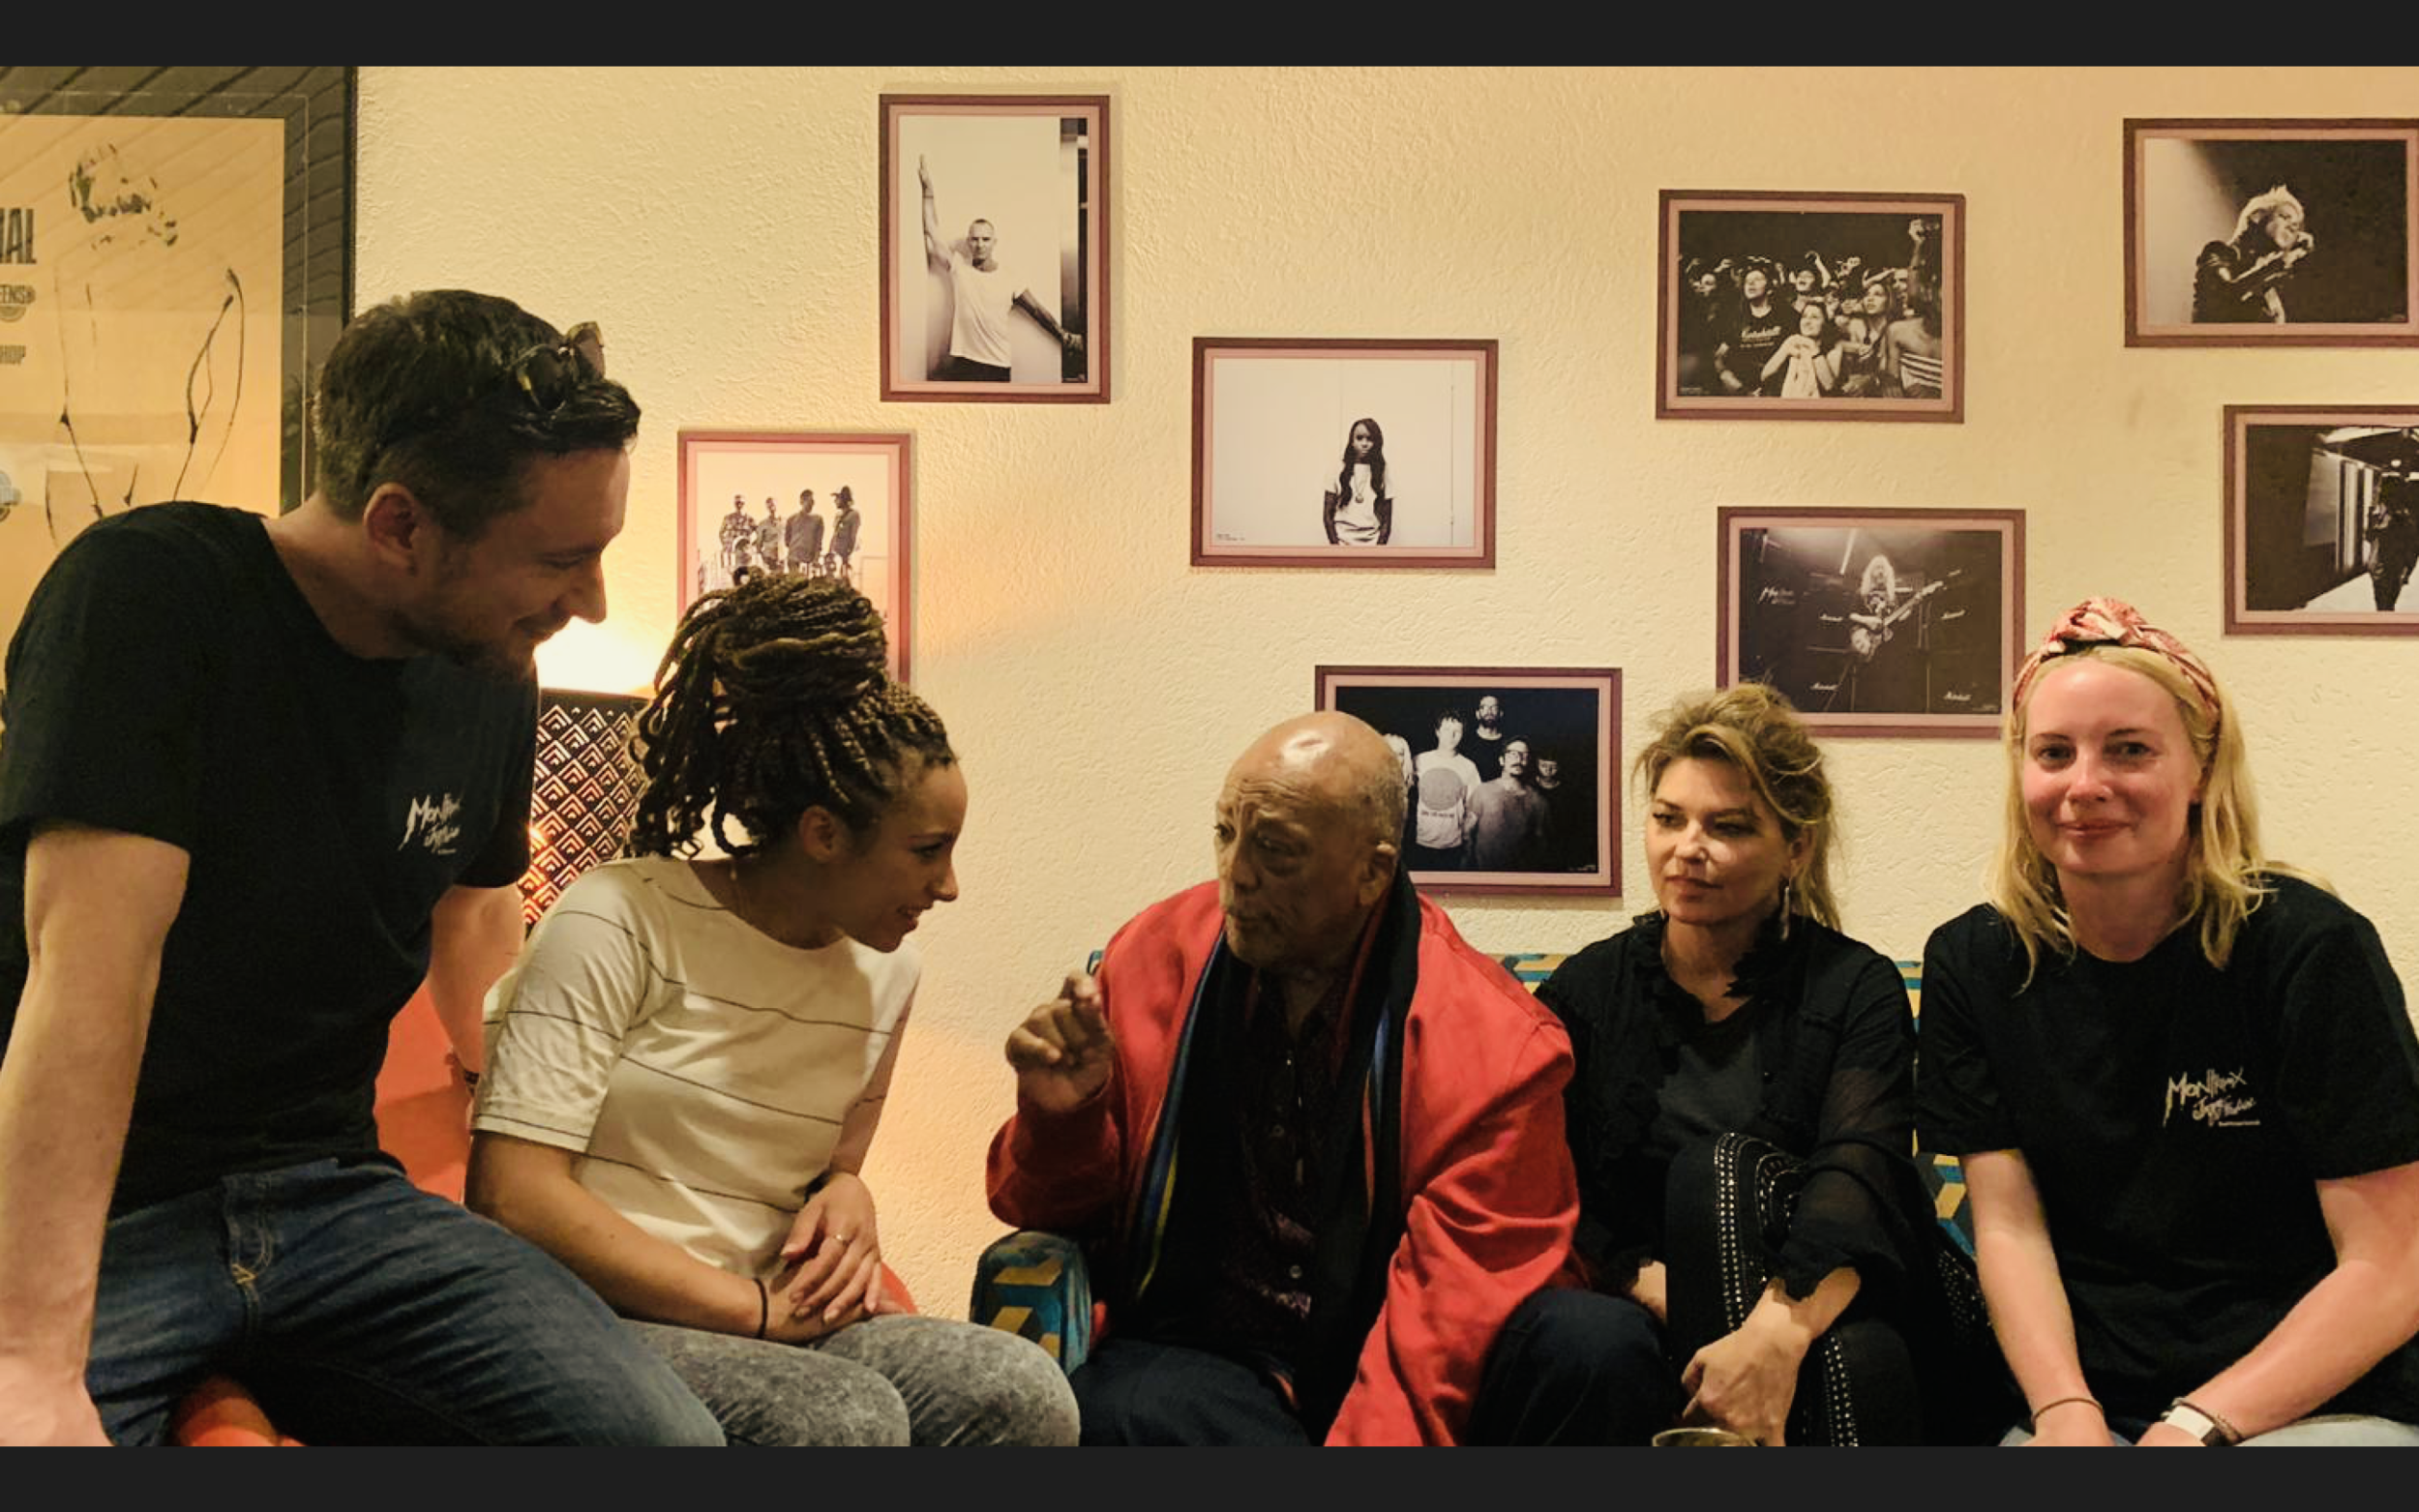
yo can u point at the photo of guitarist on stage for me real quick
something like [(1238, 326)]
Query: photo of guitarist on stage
[(1884, 669), (1858, 620)]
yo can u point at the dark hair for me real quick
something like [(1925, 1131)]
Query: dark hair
[(773, 699), (424, 392), (1377, 460)]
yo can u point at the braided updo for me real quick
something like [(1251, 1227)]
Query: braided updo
[(773, 698)]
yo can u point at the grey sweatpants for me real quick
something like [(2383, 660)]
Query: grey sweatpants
[(900, 1378)]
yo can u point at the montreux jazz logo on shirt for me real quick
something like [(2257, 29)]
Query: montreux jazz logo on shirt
[(436, 821), (2219, 1098)]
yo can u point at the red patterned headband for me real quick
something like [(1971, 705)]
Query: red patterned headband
[(2113, 622)]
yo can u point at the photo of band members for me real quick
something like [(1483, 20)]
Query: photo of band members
[(1805, 304), (1866, 619), (818, 539), (1507, 778), (2329, 514)]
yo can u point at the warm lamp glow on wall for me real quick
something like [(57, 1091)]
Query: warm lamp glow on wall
[(585, 792)]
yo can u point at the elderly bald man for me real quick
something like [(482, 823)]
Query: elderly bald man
[(1372, 1173)]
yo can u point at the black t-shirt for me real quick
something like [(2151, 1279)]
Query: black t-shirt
[(2176, 1120), (1752, 343), (169, 680)]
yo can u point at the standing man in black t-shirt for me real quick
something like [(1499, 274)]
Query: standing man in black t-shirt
[(258, 779)]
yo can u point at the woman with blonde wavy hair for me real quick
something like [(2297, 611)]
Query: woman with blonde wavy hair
[(2182, 1078), (1759, 1251)]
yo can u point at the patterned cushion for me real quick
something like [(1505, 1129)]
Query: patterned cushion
[(1036, 1285), (1942, 1173)]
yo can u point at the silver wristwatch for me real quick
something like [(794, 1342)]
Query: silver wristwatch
[(2200, 1425)]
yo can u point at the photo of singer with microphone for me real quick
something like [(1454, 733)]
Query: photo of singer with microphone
[(2243, 278)]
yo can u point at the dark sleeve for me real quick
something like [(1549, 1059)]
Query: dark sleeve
[(107, 705), (1328, 504), (1386, 520), (1957, 1106), (1616, 1232), (505, 857), (2347, 1062), (1852, 1211)]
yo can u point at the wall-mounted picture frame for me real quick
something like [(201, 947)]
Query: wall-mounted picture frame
[(1326, 452), (1876, 621), (2322, 520), (2271, 233), (1514, 772), (175, 263), (1778, 305), (806, 502), (994, 248)]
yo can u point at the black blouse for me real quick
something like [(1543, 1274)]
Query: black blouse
[(1837, 1044)]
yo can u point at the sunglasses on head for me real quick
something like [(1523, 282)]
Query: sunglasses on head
[(550, 371)]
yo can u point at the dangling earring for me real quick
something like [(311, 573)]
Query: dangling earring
[(1786, 902)]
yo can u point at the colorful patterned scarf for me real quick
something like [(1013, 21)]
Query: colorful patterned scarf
[(2113, 622)]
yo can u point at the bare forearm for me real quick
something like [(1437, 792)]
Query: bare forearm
[(2029, 1314), (1042, 317), (2344, 1326), (67, 1091), (98, 909), (1797, 1322), (637, 1274), (477, 932)]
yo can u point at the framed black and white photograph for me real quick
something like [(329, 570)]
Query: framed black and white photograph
[(2271, 233), (1515, 773), (994, 248), (1775, 305), (2322, 520), (1875, 622), (805, 502), (176, 262), (1313, 452)]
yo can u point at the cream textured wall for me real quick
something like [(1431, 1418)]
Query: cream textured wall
[(719, 223)]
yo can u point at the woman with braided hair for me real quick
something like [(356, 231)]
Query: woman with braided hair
[(2181, 1077), (686, 1066)]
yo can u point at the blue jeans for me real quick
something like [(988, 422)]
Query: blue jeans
[(359, 1309)]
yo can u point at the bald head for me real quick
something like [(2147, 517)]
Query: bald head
[(1343, 763), (1308, 824)]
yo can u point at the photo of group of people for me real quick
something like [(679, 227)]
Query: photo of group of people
[(1510, 772), (771, 543), (804, 503), (1802, 306)]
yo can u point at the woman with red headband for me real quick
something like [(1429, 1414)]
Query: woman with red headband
[(2182, 1078)]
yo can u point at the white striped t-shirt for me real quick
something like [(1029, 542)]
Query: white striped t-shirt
[(704, 1073)]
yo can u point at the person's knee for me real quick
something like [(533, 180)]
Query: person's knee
[(1026, 1399)]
